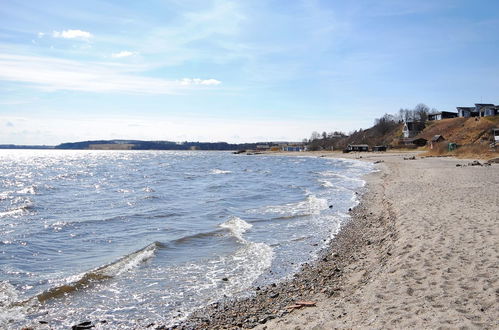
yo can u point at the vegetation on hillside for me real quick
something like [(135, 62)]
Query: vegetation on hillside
[(385, 131), (472, 135)]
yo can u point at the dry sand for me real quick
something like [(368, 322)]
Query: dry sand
[(432, 254)]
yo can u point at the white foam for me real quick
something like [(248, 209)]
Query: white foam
[(341, 176), (4, 195), (130, 261), (245, 266), (113, 269), (218, 171), (311, 205), (28, 190), (20, 210), (326, 184), (13, 212), (237, 227), (9, 312)]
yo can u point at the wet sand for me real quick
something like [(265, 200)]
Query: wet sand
[(421, 251)]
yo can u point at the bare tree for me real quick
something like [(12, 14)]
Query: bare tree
[(421, 112)]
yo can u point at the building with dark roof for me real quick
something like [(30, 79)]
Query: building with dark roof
[(479, 110), (442, 115)]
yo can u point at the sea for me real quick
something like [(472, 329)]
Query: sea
[(126, 239)]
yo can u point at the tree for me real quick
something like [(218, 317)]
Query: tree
[(315, 136), (421, 112)]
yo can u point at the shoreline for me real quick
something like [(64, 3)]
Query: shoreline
[(270, 302), (347, 283)]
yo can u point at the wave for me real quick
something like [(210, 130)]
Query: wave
[(338, 175), (237, 227), (9, 310), (31, 190), (103, 273), (217, 171), (20, 210), (189, 238), (5, 195)]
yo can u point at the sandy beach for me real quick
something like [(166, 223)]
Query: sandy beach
[(421, 251)]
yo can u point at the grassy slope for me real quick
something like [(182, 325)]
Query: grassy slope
[(372, 137), (473, 135), (462, 131)]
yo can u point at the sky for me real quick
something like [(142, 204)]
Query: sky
[(235, 71)]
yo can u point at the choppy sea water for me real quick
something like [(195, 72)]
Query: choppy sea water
[(131, 238)]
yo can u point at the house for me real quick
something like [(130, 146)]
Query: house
[(356, 147), (437, 138), (442, 115), (262, 147), (465, 111), (485, 109), (296, 148), (479, 110), (380, 148), (413, 143), (495, 133), (412, 128)]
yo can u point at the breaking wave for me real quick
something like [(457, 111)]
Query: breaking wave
[(20, 210), (237, 227), (102, 273)]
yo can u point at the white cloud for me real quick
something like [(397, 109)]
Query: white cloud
[(124, 53), (197, 81), (40, 34), (53, 74), (72, 34)]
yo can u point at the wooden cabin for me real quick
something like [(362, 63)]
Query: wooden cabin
[(380, 148), (356, 147)]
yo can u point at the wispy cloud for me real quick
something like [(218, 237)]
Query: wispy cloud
[(197, 81), (52, 74), (72, 34), (124, 53)]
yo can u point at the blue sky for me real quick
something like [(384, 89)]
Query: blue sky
[(236, 71)]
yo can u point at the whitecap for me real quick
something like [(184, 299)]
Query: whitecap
[(237, 227), (20, 210), (218, 171), (31, 190)]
